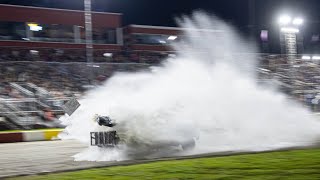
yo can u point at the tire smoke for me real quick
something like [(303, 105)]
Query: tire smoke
[(208, 90)]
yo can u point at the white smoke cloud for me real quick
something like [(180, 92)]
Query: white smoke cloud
[(206, 90)]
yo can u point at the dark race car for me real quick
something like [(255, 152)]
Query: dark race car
[(114, 136)]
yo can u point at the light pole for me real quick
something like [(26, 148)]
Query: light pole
[(289, 28), (88, 32)]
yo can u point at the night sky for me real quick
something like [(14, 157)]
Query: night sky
[(162, 12)]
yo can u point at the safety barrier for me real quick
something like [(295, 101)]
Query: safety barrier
[(27, 136)]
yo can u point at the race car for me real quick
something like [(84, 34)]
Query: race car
[(115, 136)]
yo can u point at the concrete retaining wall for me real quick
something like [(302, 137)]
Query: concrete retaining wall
[(25, 136)]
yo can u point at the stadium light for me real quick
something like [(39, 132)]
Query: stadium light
[(306, 57), (297, 21), (287, 21), (289, 27), (107, 54), (315, 57), (34, 27), (172, 38), (284, 20), (162, 42), (34, 52), (289, 30)]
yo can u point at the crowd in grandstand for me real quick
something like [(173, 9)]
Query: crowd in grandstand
[(50, 85), (62, 79), (298, 77), (66, 74), (78, 55)]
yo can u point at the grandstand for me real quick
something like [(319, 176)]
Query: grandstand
[(30, 90), (298, 78), (41, 70), (43, 62)]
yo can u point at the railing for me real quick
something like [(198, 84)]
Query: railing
[(24, 91), (14, 119), (38, 89), (29, 114), (32, 105)]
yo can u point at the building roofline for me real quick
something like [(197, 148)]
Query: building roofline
[(57, 9), (172, 28), (155, 27)]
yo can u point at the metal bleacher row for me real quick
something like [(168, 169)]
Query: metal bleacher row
[(30, 90), (28, 110)]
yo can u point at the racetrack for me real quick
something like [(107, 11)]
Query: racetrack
[(42, 156), (52, 156)]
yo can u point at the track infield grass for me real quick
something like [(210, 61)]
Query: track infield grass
[(294, 164)]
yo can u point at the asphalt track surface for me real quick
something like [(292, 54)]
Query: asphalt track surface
[(41, 157), (17, 159)]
